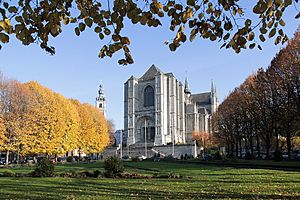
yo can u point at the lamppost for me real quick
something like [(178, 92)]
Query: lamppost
[(121, 143), (146, 138), (172, 134)]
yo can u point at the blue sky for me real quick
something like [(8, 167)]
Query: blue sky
[(75, 71)]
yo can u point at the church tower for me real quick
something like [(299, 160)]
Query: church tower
[(187, 91), (214, 99), (100, 100)]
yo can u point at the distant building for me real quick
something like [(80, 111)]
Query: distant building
[(160, 109), (100, 100), (118, 134)]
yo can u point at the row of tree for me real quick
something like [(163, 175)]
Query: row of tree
[(35, 120), (263, 113)]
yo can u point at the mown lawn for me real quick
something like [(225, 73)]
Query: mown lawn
[(200, 182)]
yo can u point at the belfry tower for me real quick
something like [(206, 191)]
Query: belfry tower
[(100, 100)]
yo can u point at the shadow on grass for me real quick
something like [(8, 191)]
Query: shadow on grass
[(58, 188)]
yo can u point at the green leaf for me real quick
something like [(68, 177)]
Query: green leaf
[(193, 35), (18, 19), (4, 38), (77, 31), (263, 30), (262, 38), (259, 47), (12, 9), (81, 26), (248, 22), (226, 36), (101, 36), (107, 31), (88, 22), (251, 36), (223, 45), (191, 2), (272, 32), (287, 3), (281, 22), (278, 14), (251, 46), (172, 47), (278, 2), (281, 32), (98, 29), (125, 40), (5, 4), (54, 31)]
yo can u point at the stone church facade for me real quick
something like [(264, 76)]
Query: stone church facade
[(161, 110)]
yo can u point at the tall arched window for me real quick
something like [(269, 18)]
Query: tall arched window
[(148, 96)]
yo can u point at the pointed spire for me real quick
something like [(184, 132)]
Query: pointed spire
[(215, 89), (101, 92), (100, 99), (212, 87), (186, 86)]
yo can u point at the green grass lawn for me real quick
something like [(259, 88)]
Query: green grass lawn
[(206, 182)]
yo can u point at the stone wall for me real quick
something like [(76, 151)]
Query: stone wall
[(166, 150)]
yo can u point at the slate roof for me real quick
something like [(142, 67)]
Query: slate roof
[(150, 73), (202, 98), (202, 110)]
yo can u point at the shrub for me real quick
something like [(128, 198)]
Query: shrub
[(113, 166), (278, 155), (70, 159), (230, 155), (248, 156), (135, 159), (97, 174), (8, 173), (218, 156), (44, 168), (169, 158)]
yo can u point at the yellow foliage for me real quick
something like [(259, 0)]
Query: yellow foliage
[(35, 120)]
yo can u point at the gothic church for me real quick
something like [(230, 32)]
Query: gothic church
[(161, 110)]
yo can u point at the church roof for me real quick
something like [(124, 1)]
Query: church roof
[(202, 110), (202, 98), (150, 73)]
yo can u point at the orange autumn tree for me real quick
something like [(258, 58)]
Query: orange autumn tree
[(14, 110), (204, 139), (86, 127), (93, 134), (47, 123), (101, 137), (35, 120), (3, 138), (69, 124)]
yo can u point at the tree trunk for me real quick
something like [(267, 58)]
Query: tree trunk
[(34, 158), (18, 156), (227, 149), (236, 149), (268, 149), (251, 145), (289, 144), (79, 155), (241, 149), (277, 140), (7, 157), (258, 146)]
